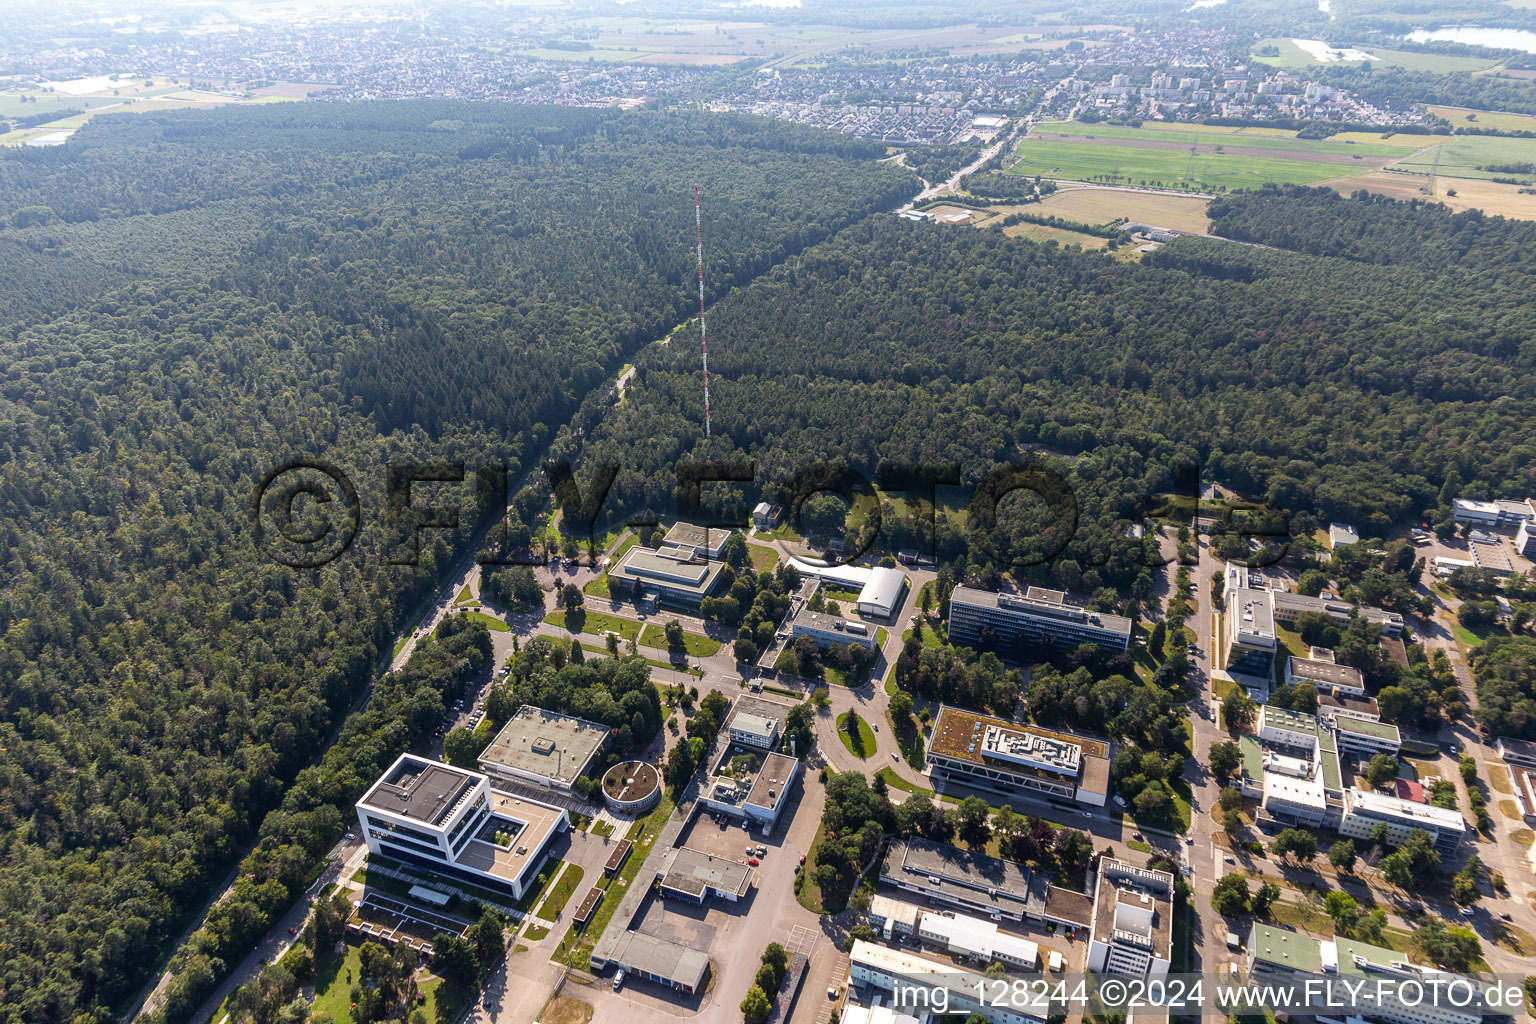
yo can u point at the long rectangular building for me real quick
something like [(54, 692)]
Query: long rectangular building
[(902, 976), (986, 886), (1289, 607), (1279, 955), (1363, 811), (1038, 616), (980, 751), (448, 821)]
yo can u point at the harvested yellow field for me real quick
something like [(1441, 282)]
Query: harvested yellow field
[(1491, 197), (1098, 205)]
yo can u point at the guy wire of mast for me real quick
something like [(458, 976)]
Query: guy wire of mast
[(698, 224)]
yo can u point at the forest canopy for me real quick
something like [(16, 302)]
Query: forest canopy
[(213, 292)]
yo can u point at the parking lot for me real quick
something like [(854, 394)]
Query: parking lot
[(731, 841)]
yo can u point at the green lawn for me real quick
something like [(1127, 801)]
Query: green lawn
[(491, 622), (597, 587), (763, 557), (895, 781), (595, 623), (862, 747), (560, 892), (335, 976), (624, 545), (696, 644), (465, 597), (781, 532), (1282, 144), (333, 993), (536, 890)]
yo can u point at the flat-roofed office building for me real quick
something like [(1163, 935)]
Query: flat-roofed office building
[(1132, 932), (1037, 616), (983, 752), (696, 541), (449, 821), (1284, 956), (1288, 608), (832, 631), (1324, 673), (1250, 641), (694, 877), (990, 887), (543, 748), (1363, 811), (676, 574)]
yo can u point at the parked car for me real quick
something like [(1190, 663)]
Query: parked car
[(762, 851), (894, 757), (752, 861), (802, 859), (618, 980), (1467, 911)]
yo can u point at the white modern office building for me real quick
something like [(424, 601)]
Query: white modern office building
[(978, 939), (1132, 931), (449, 822), (1038, 616), (1363, 811), (1502, 512), (831, 630), (880, 590), (1279, 955), (1249, 641)]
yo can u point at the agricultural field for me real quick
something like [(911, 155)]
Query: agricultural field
[(1099, 205), (670, 41), (139, 96), (1466, 156), (1461, 117), (1162, 157), (1491, 197), (1283, 52), (1061, 236)]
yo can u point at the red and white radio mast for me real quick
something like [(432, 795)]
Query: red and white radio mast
[(698, 223)]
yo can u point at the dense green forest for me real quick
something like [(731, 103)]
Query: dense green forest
[(188, 299), (1329, 386)]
